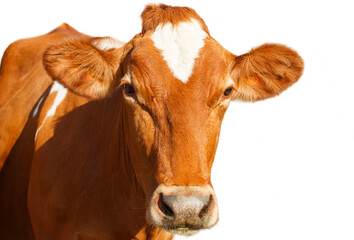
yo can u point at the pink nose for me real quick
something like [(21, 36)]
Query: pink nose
[(183, 209)]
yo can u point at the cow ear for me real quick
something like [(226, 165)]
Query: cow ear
[(265, 72), (88, 67)]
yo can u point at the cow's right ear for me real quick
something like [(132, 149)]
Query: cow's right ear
[(87, 67), (265, 71)]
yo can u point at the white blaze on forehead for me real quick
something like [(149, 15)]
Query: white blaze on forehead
[(180, 46), (61, 93), (107, 43)]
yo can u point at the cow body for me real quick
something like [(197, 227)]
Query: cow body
[(108, 208), (116, 140)]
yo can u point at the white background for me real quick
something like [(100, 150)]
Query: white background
[(284, 168)]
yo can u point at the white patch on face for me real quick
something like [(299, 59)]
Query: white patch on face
[(107, 43), (61, 93), (180, 46)]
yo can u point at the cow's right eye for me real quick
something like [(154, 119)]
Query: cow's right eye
[(129, 89), (227, 92)]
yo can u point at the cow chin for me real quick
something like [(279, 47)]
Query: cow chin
[(183, 210), (183, 231)]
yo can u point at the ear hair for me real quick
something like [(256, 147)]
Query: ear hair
[(82, 67), (265, 72)]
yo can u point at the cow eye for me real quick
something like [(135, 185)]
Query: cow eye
[(227, 92), (129, 89)]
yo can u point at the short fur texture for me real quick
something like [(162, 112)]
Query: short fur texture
[(136, 162), (265, 72), (154, 15), (180, 46), (82, 67)]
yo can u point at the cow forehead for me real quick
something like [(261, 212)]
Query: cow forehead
[(169, 60), (180, 45)]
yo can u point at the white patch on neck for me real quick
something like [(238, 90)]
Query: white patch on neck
[(107, 43), (35, 112), (180, 46), (61, 93)]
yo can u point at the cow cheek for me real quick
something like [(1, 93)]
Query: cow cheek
[(213, 133), (145, 129), (142, 156)]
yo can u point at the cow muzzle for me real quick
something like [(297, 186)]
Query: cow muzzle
[(183, 209)]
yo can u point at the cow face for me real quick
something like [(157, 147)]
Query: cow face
[(176, 83), (176, 125)]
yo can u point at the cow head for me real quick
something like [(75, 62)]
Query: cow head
[(175, 83)]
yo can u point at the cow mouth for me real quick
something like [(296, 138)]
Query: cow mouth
[(185, 230)]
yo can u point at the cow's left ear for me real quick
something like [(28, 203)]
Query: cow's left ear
[(265, 72), (86, 66)]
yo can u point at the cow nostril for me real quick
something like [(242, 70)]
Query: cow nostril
[(206, 208), (164, 207)]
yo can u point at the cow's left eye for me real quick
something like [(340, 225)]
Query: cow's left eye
[(227, 92), (129, 89)]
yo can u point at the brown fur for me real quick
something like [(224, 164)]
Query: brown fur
[(265, 72), (23, 80), (94, 169), (154, 15), (83, 68)]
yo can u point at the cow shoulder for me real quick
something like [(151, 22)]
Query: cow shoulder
[(23, 80)]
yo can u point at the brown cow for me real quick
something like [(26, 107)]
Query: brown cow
[(121, 144)]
